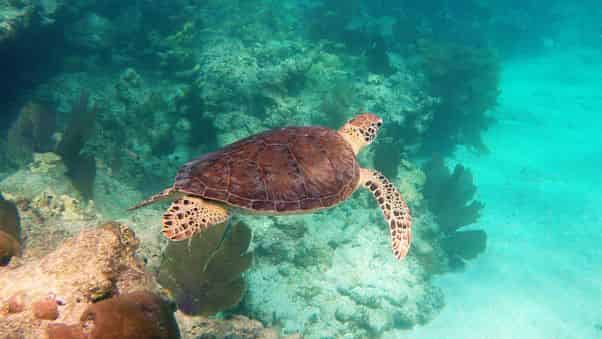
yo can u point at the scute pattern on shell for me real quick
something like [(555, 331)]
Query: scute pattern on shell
[(284, 170)]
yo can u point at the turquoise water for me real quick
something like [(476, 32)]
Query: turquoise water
[(491, 133), (540, 276)]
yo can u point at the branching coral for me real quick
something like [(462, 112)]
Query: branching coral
[(466, 80), (450, 198), (205, 280)]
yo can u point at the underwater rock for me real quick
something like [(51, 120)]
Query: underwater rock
[(46, 309), (206, 280), (194, 327), (46, 171), (44, 163), (127, 316), (10, 231), (96, 264), (15, 304)]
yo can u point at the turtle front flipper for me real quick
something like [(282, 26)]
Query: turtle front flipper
[(191, 215), (394, 209)]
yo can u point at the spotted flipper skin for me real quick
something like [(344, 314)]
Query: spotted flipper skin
[(189, 216), (394, 208)]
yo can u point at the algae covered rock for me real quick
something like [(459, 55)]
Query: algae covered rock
[(10, 231), (96, 264), (234, 327), (205, 280)]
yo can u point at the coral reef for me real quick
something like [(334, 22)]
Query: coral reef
[(205, 279), (467, 90), (209, 73), (349, 251), (450, 196)]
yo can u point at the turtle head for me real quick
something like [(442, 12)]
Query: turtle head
[(361, 130)]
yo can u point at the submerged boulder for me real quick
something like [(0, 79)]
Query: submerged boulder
[(128, 316), (96, 264), (10, 231)]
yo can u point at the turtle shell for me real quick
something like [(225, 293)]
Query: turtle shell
[(287, 170)]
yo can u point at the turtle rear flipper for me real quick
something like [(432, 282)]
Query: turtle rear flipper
[(168, 193), (190, 215), (394, 209)]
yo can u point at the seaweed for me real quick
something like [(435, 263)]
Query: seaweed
[(81, 166), (466, 80), (205, 279), (450, 197), (31, 132)]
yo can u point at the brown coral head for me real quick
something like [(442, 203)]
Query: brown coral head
[(62, 331), (46, 309), (133, 315), (367, 124), (15, 304), (10, 222), (9, 247)]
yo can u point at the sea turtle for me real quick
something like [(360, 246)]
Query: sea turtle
[(282, 171)]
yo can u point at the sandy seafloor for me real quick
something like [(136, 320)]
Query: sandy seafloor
[(541, 276)]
